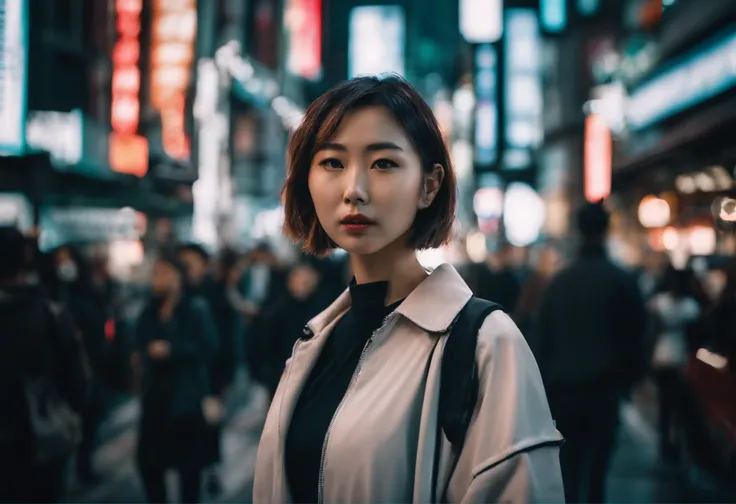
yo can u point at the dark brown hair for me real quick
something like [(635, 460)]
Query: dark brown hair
[(433, 225)]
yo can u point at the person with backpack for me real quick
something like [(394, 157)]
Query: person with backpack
[(44, 378), (406, 388)]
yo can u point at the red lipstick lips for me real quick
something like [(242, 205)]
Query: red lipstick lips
[(356, 223)]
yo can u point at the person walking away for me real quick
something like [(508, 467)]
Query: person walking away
[(38, 346), (673, 311), (176, 343), (590, 351)]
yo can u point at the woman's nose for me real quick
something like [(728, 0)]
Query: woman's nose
[(356, 188)]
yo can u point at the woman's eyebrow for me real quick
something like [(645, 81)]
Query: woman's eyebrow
[(378, 146)]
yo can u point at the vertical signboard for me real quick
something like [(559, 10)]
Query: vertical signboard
[(523, 87), (554, 15), (174, 31), (486, 109), (303, 19), (128, 151), (481, 21), (376, 42), (598, 158), (13, 75)]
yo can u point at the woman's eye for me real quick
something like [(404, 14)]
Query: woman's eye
[(385, 164), (331, 163)]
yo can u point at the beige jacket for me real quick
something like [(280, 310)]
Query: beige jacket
[(381, 445)]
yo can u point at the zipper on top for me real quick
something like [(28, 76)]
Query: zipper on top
[(353, 379)]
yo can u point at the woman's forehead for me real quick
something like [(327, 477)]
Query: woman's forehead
[(369, 125)]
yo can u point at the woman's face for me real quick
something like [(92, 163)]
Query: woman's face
[(166, 279), (367, 183)]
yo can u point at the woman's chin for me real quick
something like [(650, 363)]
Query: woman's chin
[(360, 245)]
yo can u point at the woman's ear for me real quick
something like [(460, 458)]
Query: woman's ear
[(431, 186)]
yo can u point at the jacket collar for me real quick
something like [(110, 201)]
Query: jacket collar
[(433, 305)]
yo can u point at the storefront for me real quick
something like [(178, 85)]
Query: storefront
[(673, 174)]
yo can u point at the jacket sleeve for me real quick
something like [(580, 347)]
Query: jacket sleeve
[(511, 452)]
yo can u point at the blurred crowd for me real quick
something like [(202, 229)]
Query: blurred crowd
[(72, 344)]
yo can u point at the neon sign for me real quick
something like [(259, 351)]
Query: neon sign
[(697, 77), (172, 52), (126, 76)]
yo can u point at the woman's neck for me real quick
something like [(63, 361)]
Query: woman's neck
[(400, 268)]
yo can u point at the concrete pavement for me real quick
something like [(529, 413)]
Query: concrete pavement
[(636, 475), (120, 483)]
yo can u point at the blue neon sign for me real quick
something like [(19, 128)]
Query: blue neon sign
[(693, 79)]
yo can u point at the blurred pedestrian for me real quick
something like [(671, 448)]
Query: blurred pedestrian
[(283, 323), (532, 292), (176, 344), (590, 352), (73, 286), (674, 311), (202, 284), (43, 382)]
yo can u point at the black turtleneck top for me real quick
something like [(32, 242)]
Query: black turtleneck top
[(326, 386)]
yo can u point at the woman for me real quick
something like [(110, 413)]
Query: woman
[(354, 418), (674, 311), (176, 341)]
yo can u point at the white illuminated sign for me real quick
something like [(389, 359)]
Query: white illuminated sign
[(523, 214), (16, 210), (376, 40), (58, 133), (523, 90), (486, 111), (701, 75), (481, 21), (13, 75)]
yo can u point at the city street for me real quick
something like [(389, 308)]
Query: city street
[(115, 458), (636, 475)]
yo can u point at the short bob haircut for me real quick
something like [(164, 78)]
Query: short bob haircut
[(432, 226)]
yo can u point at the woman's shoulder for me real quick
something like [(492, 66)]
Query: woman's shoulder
[(501, 341), (498, 327)]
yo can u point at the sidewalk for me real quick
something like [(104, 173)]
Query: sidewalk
[(638, 475), (114, 460)]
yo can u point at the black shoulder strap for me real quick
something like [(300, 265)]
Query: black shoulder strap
[(459, 373)]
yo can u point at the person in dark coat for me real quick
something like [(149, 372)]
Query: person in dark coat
[(305, 297), (214, 291), (176, 344), (35, 342), (72, 285), (590, 351)]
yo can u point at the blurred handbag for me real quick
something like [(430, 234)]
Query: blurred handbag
[(56, 429), (213, 410)]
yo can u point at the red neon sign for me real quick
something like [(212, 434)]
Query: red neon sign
[(304, 20), (126, 76), (598, 158), (172, 53)]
